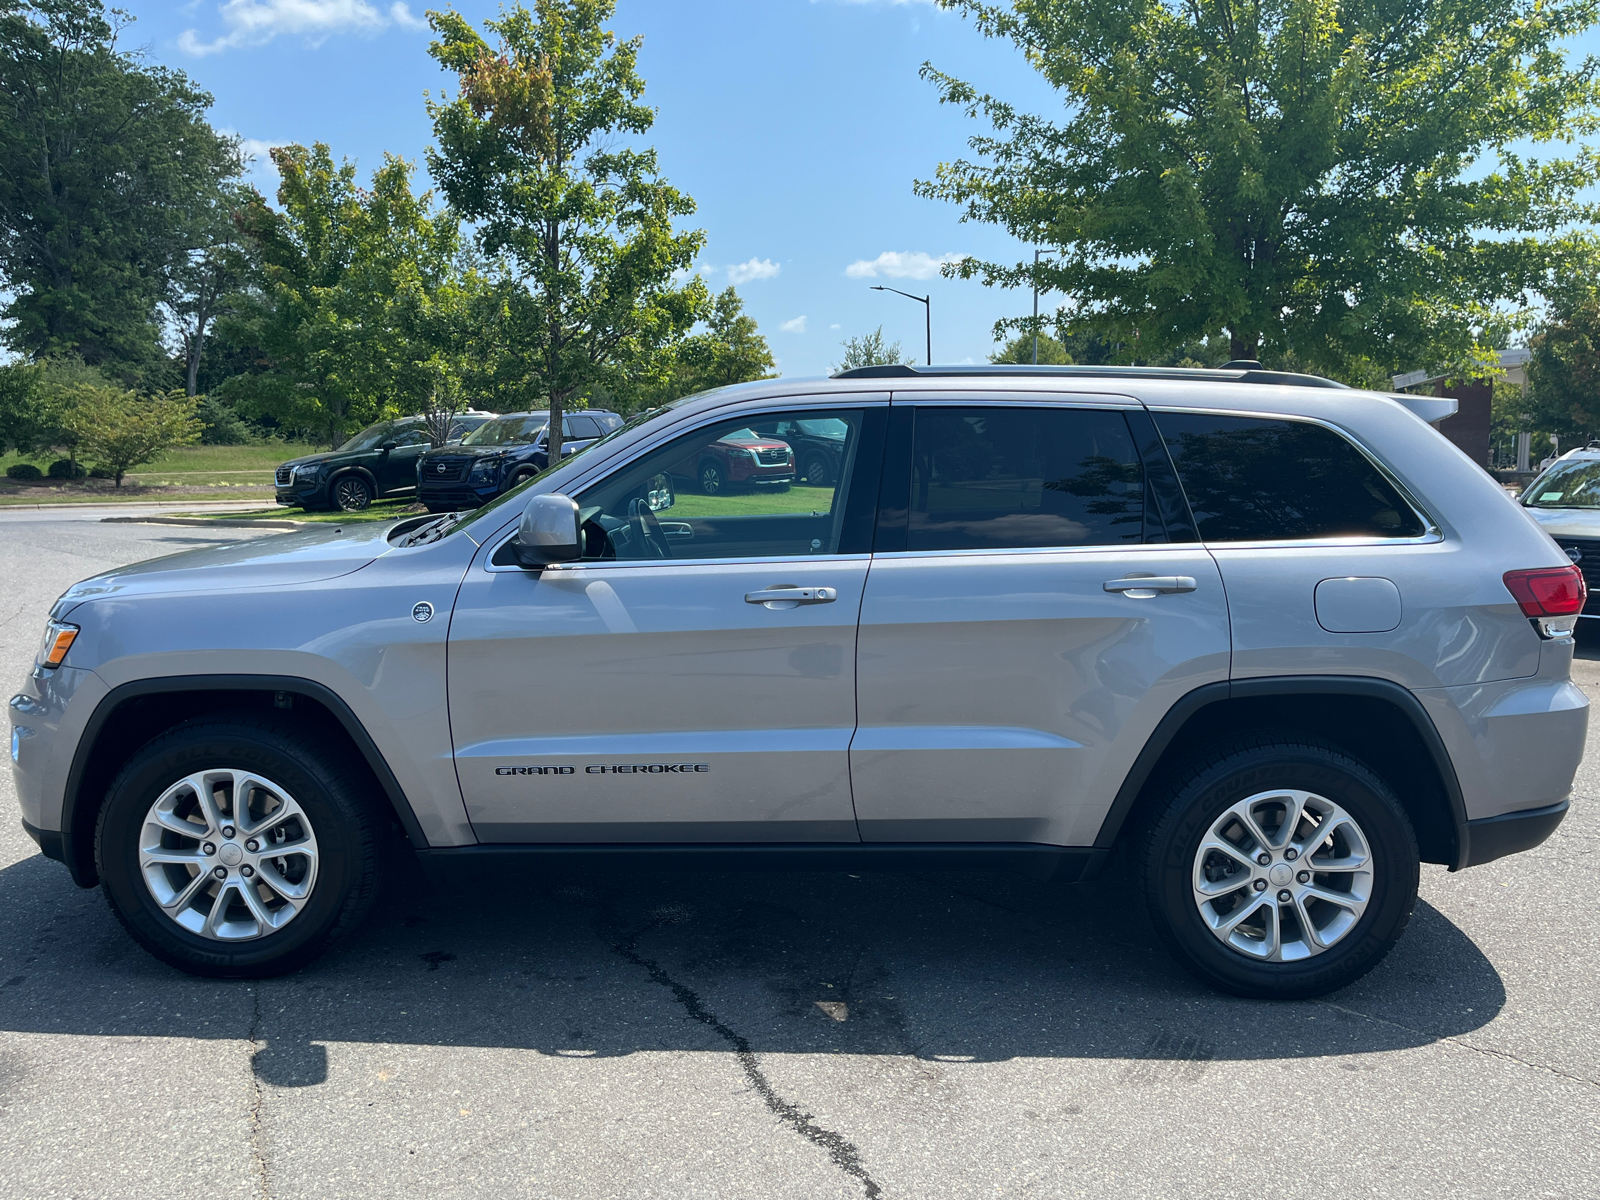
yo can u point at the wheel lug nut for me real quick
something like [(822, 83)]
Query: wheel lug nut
[(227, 831), (1263, 858), (209, 847), (1284, 897), (1304, 877), (247, 872), (1291, 854), (252, 845), (1261, 885), (221, 872)]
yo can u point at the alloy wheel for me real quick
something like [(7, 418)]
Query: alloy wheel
[(1282, 875), (351, 493), (228, 855)]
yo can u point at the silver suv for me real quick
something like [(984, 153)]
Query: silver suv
[(1276, 638)]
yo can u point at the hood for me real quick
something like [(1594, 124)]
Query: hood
[(284, 560), (306, 460), (1567, 522), (455, 450), (756, 443)]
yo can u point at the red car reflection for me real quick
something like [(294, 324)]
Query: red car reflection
[(742, 458)]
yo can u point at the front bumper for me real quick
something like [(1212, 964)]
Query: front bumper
[(1512, 832), (460, 494), (302, 493)]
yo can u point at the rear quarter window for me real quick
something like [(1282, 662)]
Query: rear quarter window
[(1253, 479)]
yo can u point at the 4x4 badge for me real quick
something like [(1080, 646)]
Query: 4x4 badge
[(423, 611)]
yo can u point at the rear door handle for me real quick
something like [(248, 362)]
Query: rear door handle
[(1152, 583), (791, 597)]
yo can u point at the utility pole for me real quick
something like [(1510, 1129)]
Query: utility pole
[(927, 304), (1036, 253)]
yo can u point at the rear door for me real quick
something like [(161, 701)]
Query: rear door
[(691, 680), (1011, 663)]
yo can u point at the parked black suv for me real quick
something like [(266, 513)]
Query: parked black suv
[(497, 456), (818, 446), (381, 460)]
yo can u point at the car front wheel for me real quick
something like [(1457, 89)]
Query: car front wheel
[(711, 479), (351, 493), (237, 848), (1280, 868)]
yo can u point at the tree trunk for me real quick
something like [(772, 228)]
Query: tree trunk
[(1244, 346)]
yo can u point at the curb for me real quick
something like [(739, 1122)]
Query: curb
[(224, 522)]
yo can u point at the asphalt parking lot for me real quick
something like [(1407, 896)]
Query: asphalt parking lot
[(782, 1035)]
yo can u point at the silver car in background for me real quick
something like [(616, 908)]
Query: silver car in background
[(1565, 500), (1275, 639)]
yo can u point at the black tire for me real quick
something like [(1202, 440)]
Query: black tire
[(1199, 797), (350, 492), (817, 471), (711, 479), (520, 478), (291, 755)]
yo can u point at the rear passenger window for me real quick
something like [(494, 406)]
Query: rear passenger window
[(1020, 477), (1251, 479), (581, 428)]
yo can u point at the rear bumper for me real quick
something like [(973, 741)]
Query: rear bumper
[(1512, 832)]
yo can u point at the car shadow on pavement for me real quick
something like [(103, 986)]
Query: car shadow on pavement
[(951, 967)]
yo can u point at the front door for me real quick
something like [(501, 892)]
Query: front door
[(691, 680), (1012, 659), (398, 470)]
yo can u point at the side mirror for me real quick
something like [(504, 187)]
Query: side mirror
[(388, 446), (549, 532)]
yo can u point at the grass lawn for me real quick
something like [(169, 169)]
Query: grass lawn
[(797, 499), (378, 510), (187, 473)]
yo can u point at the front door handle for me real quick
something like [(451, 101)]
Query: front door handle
[(1152, 584), (785, 596)]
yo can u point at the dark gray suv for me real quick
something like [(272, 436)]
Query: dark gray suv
[(1276, 638)]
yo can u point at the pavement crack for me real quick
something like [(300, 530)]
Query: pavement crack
[(1486, 1051), (840, 1150), (258, 1150)]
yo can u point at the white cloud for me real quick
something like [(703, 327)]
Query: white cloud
[(895, 264), (684, 273), (833, 326), (756, 268), (255, 22), (798, 325)]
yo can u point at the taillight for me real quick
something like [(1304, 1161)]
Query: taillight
[(1548, 591)]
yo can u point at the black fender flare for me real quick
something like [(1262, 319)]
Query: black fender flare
[(79, 849), (1291, 685), (351, 469)]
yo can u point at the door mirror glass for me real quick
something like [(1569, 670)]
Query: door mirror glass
[(549, 532), (659, 494)]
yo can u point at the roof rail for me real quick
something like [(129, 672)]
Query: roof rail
[(1228, 374)]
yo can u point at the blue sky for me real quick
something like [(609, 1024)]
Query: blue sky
[(797, 125)]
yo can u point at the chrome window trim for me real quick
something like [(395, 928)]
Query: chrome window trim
[(1431, 531), (609, 564)]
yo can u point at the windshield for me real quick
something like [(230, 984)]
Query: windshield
[(829, 428), (508, 431), (373, 436), (1566, 485)]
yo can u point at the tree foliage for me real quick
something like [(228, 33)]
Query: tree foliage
[(532, 149), (104, 162), (1336, 180), (1020, 349), (119, 429), (871, 350), (363, 297)]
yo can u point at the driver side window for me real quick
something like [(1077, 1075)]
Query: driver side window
[(740, 488)]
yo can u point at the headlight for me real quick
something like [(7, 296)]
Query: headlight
[(736, 452), (58, 638), (485, 469)]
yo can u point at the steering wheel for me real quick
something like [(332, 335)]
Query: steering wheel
[(647, 529)]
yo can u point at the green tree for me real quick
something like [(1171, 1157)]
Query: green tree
[(1331, 179), (202, 278), (1020, 349), (104, 161), (534, 149), (346, 314), (871, 350), (119, 429)]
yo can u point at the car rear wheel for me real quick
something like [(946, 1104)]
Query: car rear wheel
[(711, 478), (1280, 868), (351, 493), (237, 848), (817, 472)]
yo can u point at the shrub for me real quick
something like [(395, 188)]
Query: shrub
[(26, 472), (221, 425), (65, 468), (99, 473)]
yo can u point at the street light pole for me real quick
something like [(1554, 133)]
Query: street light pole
[(927, 304), (1036, 306)]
